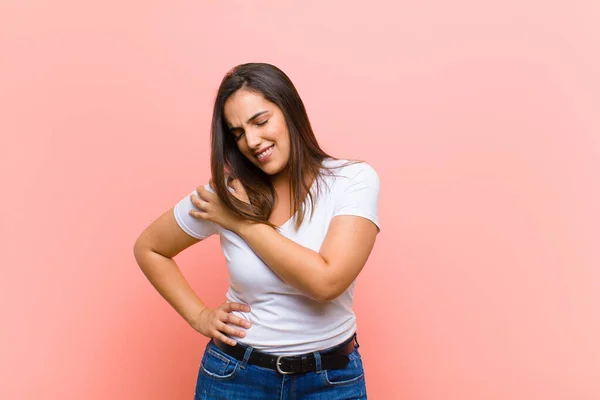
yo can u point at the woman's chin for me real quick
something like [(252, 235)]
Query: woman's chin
[(270, 168)]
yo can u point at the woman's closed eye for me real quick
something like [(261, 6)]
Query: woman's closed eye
[(237, 135)]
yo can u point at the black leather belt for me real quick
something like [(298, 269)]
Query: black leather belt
[(334, 358)]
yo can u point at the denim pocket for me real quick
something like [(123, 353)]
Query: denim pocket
[(352, 373), (217, 365)]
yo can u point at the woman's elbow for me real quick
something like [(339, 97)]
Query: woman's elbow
[(141, 249), (327, 293), (138, 250)]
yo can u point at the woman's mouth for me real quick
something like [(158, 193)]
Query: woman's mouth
[(265, 155)]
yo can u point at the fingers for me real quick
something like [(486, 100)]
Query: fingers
[(220, 323), (200, 205), (231, 331), (235, 320), (198, 202), (204, 193), (224, 339), (197, 214), (231, 306), (224, 327)]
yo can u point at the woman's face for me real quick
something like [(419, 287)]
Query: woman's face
[(259, 129)]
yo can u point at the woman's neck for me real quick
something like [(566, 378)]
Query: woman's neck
[(281, 180)]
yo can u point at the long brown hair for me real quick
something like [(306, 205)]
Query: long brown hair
[(306, 156)]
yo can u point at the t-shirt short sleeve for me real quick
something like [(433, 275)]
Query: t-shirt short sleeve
[(359, 194), (197, 228)]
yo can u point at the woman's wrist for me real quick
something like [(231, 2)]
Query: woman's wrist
[(244, 227), (193, 318)]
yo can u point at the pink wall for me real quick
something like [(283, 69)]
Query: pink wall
[(481, 119)]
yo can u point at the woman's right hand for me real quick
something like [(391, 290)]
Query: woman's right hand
[(212, 323)]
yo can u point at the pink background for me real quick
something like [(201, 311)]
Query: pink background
[(480, 117)]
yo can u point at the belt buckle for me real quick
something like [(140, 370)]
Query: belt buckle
[(278, 366)]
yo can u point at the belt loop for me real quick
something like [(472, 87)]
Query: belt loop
[(317, 362), (246, 356)]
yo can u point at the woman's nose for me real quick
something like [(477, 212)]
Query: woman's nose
[(253, 140)]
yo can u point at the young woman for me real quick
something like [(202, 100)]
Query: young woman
[(296, 227)]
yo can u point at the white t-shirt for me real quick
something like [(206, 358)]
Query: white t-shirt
[(284, 320)]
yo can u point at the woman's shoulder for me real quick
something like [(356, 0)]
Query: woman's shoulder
[(348, 168)]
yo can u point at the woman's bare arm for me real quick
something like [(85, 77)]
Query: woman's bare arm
[(154, 251), (323, 275)]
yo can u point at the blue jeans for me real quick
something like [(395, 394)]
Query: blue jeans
[(222, 376)]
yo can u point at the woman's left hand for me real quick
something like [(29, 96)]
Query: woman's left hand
[(210, 207)]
